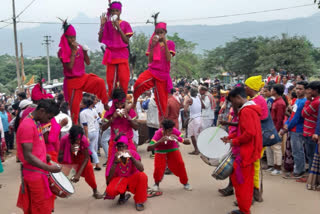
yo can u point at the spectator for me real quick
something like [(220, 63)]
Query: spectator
[(278, 111), (295, 126)]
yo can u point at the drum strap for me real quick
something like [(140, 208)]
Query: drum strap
[(31, 170)]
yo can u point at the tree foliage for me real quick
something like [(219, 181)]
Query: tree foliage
[(242, 56), (186, 62)]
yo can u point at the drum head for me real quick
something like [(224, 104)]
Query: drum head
[(210, 144), (63, 181), (60, 117)]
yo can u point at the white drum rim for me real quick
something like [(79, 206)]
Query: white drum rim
[(58, 183), (216, 129)]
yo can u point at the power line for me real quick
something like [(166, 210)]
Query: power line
[(5, 26), (25, 8), (179, 20), (242, 14), (5, 20)]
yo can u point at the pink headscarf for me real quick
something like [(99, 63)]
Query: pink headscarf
[(64, 45), (157, 48), (114, 5)]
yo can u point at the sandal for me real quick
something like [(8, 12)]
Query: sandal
[(152, 194), (228, 191), (302, 180), (122, 201), (139, 207), (97, 168)]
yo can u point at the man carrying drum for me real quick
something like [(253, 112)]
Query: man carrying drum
[(246, 148), (35, 195)]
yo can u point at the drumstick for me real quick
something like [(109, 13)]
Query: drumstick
[(214, 135)]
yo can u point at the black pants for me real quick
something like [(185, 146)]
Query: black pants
[(9, 140), (151, 132)]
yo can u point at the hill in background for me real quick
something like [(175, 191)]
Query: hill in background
[(207, 37)]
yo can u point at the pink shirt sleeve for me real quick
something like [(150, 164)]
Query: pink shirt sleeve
[(132, 114), (127, 29), (157, 136), (177, 133), (171, 47)]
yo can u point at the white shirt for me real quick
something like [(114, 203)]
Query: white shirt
[(195, 108), (207, 112), (89, 117), (99, 107)]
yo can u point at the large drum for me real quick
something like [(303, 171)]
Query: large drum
[(60, 185), (225, 168), (143, 132), (211, 147)]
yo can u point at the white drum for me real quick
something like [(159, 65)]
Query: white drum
[(62, 116), (60, 185), (210, 145)]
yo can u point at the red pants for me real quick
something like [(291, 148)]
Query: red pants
[(145, 82), (33, 201), (122, 75), (87, 173), (175, 164), (53, 156), (136, 184), (90, 83), (244, 192)]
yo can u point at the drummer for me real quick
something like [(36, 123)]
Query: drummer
[(165, 143), (35, 195), (74, 153), (246, 147)]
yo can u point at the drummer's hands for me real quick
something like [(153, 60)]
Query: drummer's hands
[(64, 122), (75, 178), (54, 168), (226, 140), (223, 122)]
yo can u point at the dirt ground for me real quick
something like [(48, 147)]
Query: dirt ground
[(280, 195)]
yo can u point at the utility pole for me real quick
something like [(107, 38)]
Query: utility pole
[(16, 44), (23, 76), (47, 41)]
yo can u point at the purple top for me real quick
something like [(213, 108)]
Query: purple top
[(128, 169), (260, 101), (66, 147), (78, 69), (170, 145), (112, 39), (161, 68)]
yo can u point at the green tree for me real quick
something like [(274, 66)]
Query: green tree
[(138, 48), (294, 54), (186, 62)]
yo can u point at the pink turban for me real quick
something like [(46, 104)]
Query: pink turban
[(64, 46)]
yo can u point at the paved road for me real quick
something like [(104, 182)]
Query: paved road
[(280, 196)]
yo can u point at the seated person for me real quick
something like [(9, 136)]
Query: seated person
[(126, 173)]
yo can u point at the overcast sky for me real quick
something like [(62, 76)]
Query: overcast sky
[(140, 10)]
